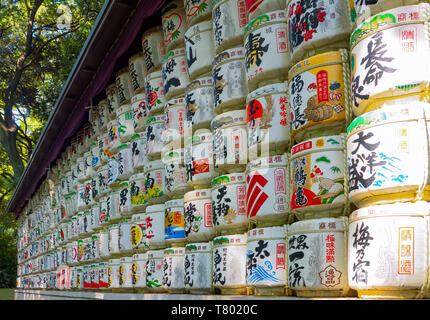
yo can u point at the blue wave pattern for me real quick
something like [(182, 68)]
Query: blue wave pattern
[(260, 274)]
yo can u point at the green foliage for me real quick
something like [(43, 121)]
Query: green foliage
[(39, 43)]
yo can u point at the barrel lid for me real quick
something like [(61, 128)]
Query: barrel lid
[(138, 217), (267, 89), (237, 177), (175, 102), (140, 256), (198, 194), (153, 165), (137, 176), (234, 53), (406, 111), (419, 208), (315, 62), (321, 225), (138, 97), (200, 136), (174, 251), (172, 54), (234, 239), (152, 75), (265, 233), (137, 55), (155, 208), (198, 247), (235, 117), (155, 119), (174, 203), (198, 27), (203, 81), (271, 161), (318, 144), (155, 254), (269, 17), (410, 14), (123, 71)]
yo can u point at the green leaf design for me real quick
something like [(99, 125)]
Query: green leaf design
[(335, 169), (176, 34), (332, 141), (323, 159), (202, 8)]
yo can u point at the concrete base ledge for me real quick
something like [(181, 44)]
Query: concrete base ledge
[(21, 294)]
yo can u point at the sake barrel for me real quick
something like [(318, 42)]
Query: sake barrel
[(387, 155), (114, 240), (319, 93), (175, 117), (102, 179), (197, 11), (199, 159), (124, 199), (124, 159), (229, 138), (154, 271), (266, 49), (174, 73), (112, 100), (173, 270), (138, 272), (155, 216), (361, 10), (388, 250), (104, 243), (318, 174), (314, 27), (123, 84), (267, 190), (112, 205), (229, 18), (113, 273), (95, 217), (200, 50), (229, 263), (174, 225), (96, 161), (155, 187), (154, 91), (199, 101), (113, 172), (317, 257), (103, 115), (267, 120), (154, 130), (138, 192), (103, 146), (266, 260), (229, 203), (113, 137), (153, 48), (255, 8), (80, 164), (138, 151), (136, 69), (140, 111), (124, 116), (125, 265), (174, 25), (103, 275), (229, 78), (138, 232), (175, 173), (386, 54), (198, 215), (198, 268)]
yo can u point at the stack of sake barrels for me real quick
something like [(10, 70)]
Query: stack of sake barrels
[(318, 87), (225, 159), (388, 150)]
